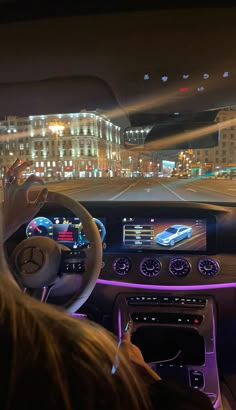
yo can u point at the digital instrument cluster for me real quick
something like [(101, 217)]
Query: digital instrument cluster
[(67, 231)]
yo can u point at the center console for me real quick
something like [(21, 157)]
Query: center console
[(176, 335)]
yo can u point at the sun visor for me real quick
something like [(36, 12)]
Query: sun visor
[(59, 95)]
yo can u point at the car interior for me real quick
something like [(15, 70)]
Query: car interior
[(169, 265)]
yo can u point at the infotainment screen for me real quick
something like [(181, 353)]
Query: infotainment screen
[(170, 234), (65, 230)]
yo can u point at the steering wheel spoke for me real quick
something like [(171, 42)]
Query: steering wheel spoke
[(41, 294)]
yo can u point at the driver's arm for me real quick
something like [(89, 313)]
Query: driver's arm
[(17, 208)]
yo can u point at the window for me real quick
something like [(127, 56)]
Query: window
[(217, 160), (224, 152), (224, 144), (224, 160)]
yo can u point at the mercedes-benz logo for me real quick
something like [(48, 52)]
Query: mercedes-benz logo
[(30, 260)]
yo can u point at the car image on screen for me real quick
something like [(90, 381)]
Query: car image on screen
[(173, 234)]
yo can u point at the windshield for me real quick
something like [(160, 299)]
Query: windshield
[(147, 125), (171, 230)]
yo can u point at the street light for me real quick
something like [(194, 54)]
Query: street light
[(55, 128)]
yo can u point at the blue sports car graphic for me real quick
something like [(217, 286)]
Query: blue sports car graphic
[(173, 234)]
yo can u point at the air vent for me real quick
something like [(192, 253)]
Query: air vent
[(150, 267), (208, 267), (179, 267), (121, 266)]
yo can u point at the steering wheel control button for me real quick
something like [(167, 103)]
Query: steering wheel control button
[(179, 267), (73, 262), (150, 267), (196, 379), (73, 268), (121, 266), (208, 267)]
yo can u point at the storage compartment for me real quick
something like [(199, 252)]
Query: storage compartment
[(175, 345)]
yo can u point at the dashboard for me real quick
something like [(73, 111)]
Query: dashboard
[(149, 243)]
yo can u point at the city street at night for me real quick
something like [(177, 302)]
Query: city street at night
[(149, 189)]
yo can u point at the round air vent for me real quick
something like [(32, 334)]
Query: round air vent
[(208, 267), (179, 267), (150, 267), (121, 266)]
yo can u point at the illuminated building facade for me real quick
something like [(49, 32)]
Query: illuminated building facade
[(84, 144), (223, 156)]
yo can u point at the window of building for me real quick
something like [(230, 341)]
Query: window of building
[(224, 152), (217, 160), (223, 159), (206, 159)]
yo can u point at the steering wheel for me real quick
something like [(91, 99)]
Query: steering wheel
[(40, 263)]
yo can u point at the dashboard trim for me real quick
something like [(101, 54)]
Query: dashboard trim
[(166, 287)]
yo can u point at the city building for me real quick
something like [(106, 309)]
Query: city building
[(223, 156), (84, 144), (156, 163)]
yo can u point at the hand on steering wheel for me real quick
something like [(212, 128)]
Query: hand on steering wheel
[(17, 208)]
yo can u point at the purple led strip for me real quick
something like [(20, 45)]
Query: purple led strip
[(166, 287)]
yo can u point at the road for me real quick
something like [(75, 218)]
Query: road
[(141, 189)]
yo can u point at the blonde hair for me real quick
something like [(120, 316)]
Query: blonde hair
[(49, 360)]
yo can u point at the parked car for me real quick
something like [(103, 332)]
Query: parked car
[(173, 234)]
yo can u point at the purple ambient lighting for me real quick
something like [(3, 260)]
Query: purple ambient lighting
[(165, 287)]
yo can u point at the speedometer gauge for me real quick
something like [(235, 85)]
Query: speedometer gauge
[(101, 228), (40, 227)]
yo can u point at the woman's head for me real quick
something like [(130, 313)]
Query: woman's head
[(52, 361)]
